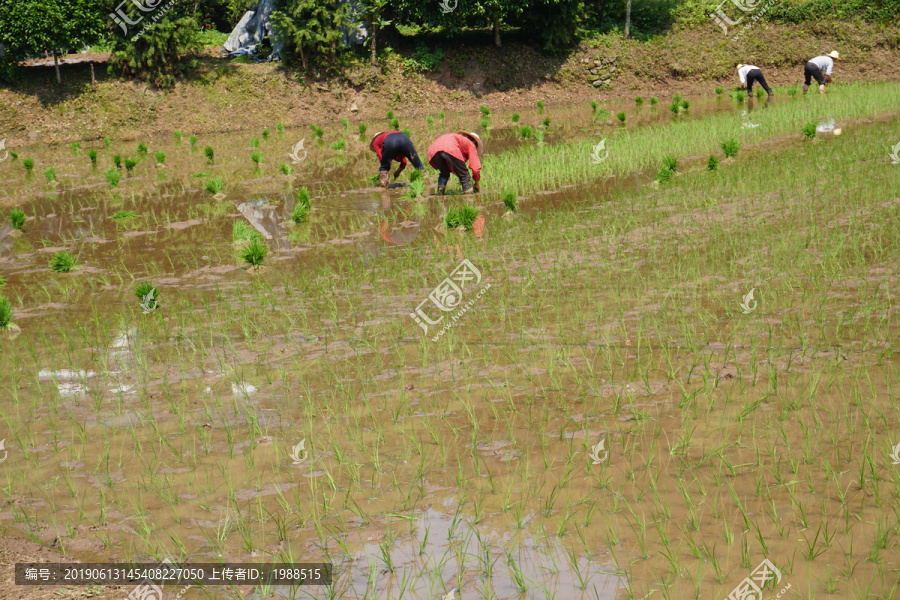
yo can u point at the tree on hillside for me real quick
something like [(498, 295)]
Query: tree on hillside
[(311, 29), (156, 55), (29, 28)]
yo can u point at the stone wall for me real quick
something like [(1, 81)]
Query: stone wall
[(602, 70)]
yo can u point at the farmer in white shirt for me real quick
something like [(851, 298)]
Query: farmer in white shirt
[(819, 69), (749, 74)]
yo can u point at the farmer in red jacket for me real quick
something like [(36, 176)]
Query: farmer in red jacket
[(389, 146), (449, 154)]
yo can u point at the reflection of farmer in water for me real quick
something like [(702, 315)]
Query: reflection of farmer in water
[(449, 154), (389, 146)]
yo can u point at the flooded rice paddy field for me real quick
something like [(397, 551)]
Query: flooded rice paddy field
[(611, 414)]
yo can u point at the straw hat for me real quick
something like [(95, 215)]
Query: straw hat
[(372, 143), (834, 54), (740, 66), (474, 137)]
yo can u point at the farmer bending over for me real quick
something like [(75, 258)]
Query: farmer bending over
[(749, 74), (389, 146), (814, 70), (449, 154)]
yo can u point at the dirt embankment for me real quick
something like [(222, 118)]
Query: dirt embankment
[(222, 95)]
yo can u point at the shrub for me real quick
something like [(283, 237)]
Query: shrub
[(112, 177), (713, 163), (50, 174), (255, 252), (510, 202), (809, 131), (156, 56), (17, 218), (730, 147), (463, 216), (62, 262)]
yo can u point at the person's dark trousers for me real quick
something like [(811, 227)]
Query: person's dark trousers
[(812, 71), (447, 164), (756, 76), (399, 144)]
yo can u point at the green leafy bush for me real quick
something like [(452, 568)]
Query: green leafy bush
[(158, 55)]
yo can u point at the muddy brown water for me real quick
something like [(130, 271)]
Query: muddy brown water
[(134, 434)]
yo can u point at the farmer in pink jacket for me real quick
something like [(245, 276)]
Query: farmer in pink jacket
[(450, 153)]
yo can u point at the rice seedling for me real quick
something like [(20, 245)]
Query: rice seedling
[(639, 100), (13, 155), (809, 131), (539, 136), (117, 160), (664, 175), (395, 124), (177, 135), (485, 111), (62, 262), (208, 151), (674, 107), (390, 115), (125, 214), (510, 202), (50, 174), (214, 186), (653, 101), (792, 90), (92, 154), (441, 116), (265, 132), (594, 106), (526, 131), (712, 164), (254, 142), (719, 90), (670, 162), (107, 142), (362, 129), (279, 127), (303, 206), (685, 104), (416, 185), (130, 164), (159, 156), (515, 117), (739, 95), (318, 131), (74, 147), (339, 145), (193, 140), (620, 116), (256, 156), (461, 217), (540, 105), (430, 121), (146, 292), (142, 148), (546, 123), (112, 177), (241, 231), (485, 122), (760, 92), (730, 147), (28, 163), (286, 169), (17, 218), (255, 252), (5, 313)]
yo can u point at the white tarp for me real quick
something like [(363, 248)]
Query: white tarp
[(251, 30)]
